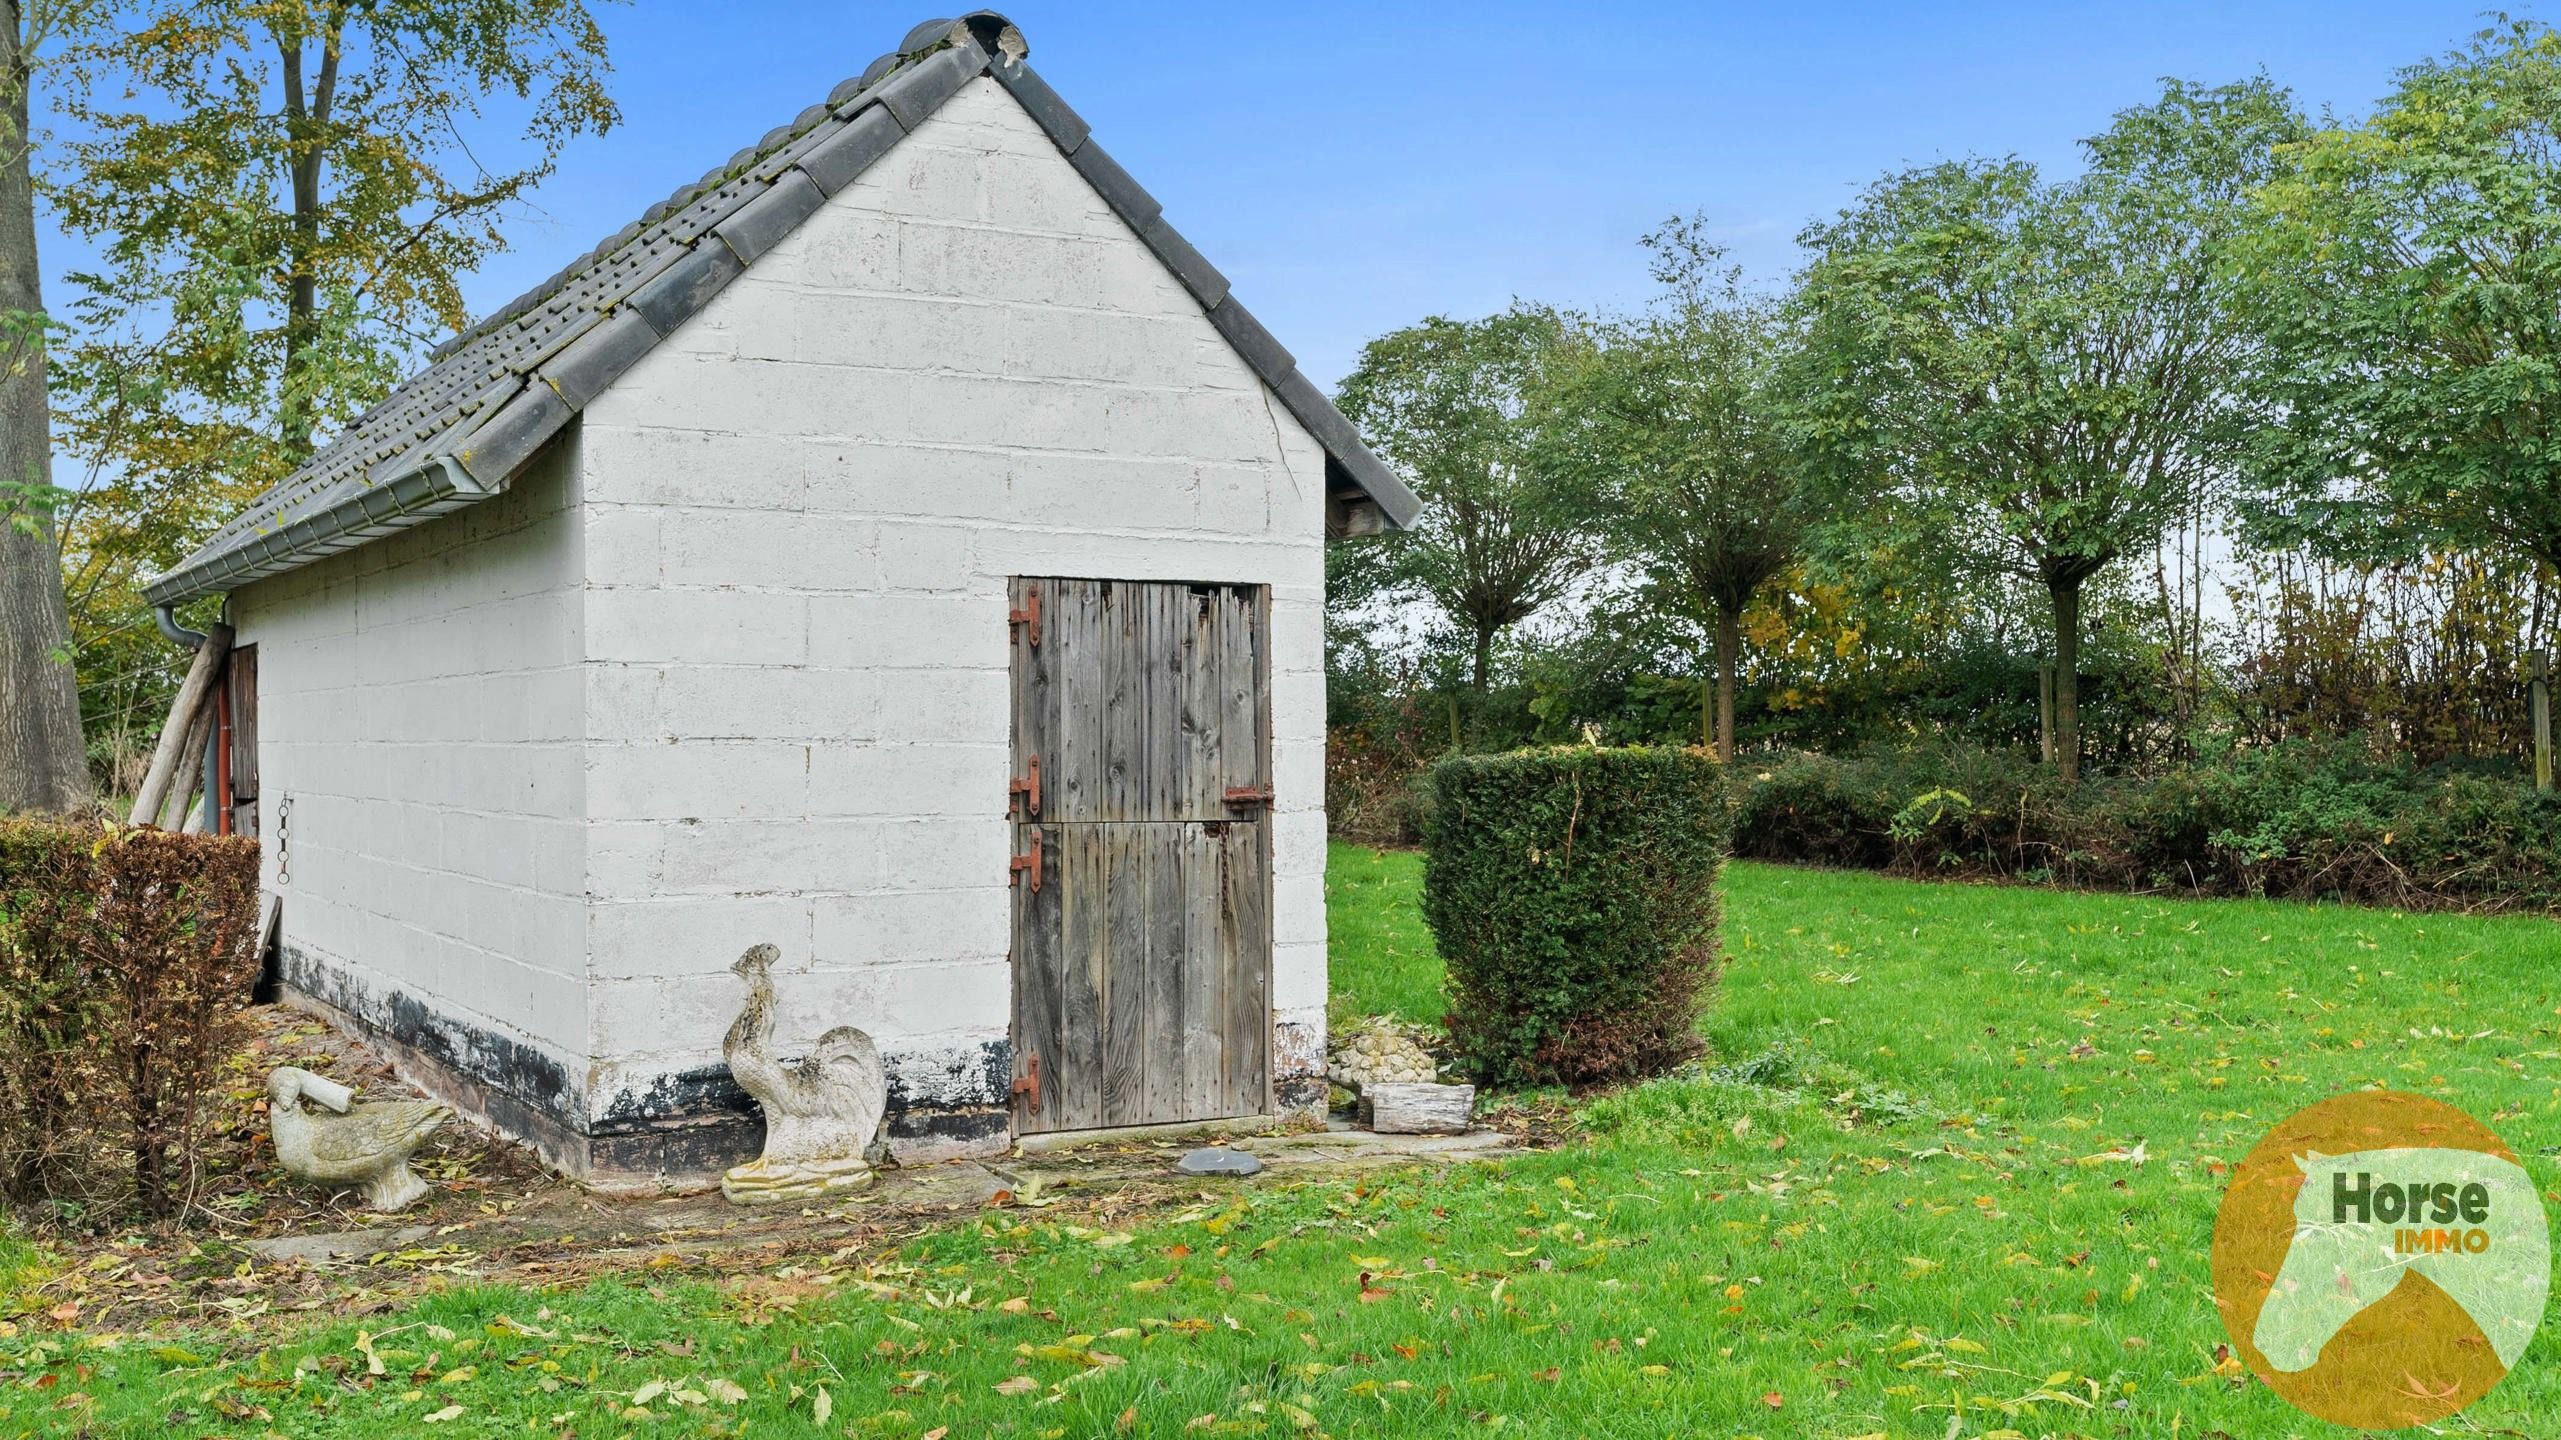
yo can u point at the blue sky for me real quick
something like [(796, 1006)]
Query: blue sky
[(1355, 167)]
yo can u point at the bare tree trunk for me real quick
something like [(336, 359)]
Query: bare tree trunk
[(43, 764), (2067, 678), (306, 118), (1729, 667), (1484, 658)]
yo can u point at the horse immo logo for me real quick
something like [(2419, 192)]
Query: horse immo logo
[(2381, 1260)]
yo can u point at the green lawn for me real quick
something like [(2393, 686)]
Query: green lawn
[(1383, 960), (1894, 1224)]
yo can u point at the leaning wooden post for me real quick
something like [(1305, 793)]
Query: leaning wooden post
[(172, 750), (190, 775), (2539, 702)]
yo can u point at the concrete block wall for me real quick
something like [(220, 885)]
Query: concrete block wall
[(800, 516), (422, 706)]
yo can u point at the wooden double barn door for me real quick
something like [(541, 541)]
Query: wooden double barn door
[(1142, 844)]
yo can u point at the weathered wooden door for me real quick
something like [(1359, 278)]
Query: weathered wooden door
[(1142, 837), (240, 742)]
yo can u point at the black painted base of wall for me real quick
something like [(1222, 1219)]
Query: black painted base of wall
[(682, 1131)]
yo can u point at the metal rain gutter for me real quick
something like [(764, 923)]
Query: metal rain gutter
[(430, 489)]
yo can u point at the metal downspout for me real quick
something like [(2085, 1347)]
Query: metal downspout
[(178, 634)]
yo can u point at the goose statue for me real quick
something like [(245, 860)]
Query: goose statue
[(347, 1144), (820, 1114)]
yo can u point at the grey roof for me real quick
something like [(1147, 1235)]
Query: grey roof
[(461, 429)]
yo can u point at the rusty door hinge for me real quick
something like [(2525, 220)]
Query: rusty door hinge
[(1241, 796), (1031, 863), (1028, 1083), (1027, 789), (1027, 615)]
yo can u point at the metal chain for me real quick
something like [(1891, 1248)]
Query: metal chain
[(284, 841)]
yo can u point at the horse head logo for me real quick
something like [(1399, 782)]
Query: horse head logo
[(2468, 1221)]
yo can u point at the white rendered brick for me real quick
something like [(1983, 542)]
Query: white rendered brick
[(692, 937), (908, 781), (665, 780), (945, 997), (911, 631), (728, 627), (885, 928)]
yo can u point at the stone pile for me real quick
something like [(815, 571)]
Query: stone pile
[(1380, 1054)]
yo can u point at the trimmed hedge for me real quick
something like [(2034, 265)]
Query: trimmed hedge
[(2302, 820), (127, 956), (1573, 896)]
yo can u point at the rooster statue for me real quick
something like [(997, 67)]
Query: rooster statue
[(820, 1114), (367, 1146)]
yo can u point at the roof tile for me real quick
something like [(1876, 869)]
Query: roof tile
[(1066, 128), (685, 287), (761, 223), (925, 36), (511, 437), (849, 150), (1268, 356), (1118, 189), (919, 89), (596, 359), (1203, 279)]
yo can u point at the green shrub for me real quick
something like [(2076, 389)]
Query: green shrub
[(126, 959), (1815, 809), (1572, 893), (2298, 820)]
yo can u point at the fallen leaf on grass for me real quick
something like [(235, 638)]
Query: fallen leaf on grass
[(1018, 1385)]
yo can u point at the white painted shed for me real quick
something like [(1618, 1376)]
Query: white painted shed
[(898, 546)]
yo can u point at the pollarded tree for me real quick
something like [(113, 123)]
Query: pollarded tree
[(2046, 371), (1681, 419), (2407, 274), (1449, 404)]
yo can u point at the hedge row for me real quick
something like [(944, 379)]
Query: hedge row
[(1572, 893), (2297, 821), (127, 958)]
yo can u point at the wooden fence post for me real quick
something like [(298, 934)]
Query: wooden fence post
[(2539, 702)]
